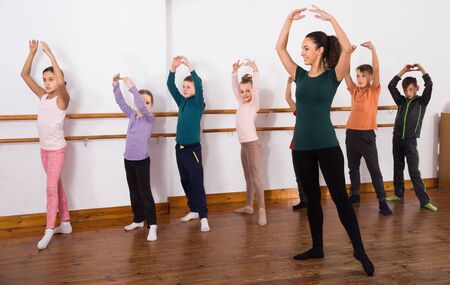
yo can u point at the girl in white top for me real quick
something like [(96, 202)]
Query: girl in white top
[(53, 102)]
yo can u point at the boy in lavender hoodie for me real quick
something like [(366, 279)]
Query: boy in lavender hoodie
[(136, 157)]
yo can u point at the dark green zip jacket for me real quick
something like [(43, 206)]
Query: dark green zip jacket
[(410, 113)]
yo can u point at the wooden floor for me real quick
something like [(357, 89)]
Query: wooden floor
[(411, 247)]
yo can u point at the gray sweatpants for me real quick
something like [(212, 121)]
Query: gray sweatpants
[(362, 144)]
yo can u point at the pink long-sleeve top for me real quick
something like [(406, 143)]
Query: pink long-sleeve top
[(246, 112)]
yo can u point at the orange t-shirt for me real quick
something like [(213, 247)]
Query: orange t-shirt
[(363, 115)]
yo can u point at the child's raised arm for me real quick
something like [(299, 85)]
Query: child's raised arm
[(176, 95), (375, 63), (140, 104), (197, 82), (255, 79), (26, 70), (127, 110), (176, 62), (63, 96), (396, 95), (426, 95), (235, 80), (348, 78), (288, 94)]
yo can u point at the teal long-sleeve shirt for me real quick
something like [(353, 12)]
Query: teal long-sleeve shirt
[(190, 110)]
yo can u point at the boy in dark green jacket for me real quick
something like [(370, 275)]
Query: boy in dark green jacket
[(408, 123), (191, 105)]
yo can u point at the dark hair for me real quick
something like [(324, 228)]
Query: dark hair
[(331, 48), (188, 79), (408, 81), (50, 69), (246, 79), (365, 68), (146, 92)]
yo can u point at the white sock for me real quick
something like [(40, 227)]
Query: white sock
[(64, 228), (262, 219), (152, 233), (133, 226), (190, 216), (43, 243), (204, 225)]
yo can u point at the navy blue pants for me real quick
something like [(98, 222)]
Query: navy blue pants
[(189, 161)]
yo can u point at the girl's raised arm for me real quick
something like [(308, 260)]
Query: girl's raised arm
[(26, 70), (63, 96)]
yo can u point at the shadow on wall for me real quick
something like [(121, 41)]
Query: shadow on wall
[(435, 158), (447, 108), (205, 152), (266, 99), (158, 149), (71, 173), (436, 145), (208, 93), (158, 162), (73, 106)]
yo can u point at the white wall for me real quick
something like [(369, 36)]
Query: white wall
[(92, 41), (138, 39)]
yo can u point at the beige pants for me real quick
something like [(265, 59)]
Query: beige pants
[(251, 161)]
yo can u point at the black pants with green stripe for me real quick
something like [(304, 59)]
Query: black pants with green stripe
[(189, 161), (402, 148)]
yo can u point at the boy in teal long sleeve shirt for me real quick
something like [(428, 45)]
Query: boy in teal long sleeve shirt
[(191, 105)]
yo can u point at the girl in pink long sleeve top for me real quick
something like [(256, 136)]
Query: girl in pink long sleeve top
[(247, 95)]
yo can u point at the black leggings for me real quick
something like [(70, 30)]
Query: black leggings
[(301, 192), (331, 162), (142, 203)]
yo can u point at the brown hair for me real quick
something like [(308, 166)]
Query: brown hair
[(50, 69), (365, 68), (246, 79), (408, 81), (146, 92), (188, 79), (331, 48)]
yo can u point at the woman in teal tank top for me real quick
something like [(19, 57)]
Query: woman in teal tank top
[(315, 142)]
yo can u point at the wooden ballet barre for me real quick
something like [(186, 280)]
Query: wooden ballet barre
[(31, 117), (166, 135), (84, 138), (271, 129), (262, 129)]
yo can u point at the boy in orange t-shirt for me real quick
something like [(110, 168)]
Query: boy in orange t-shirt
[(360, 138)]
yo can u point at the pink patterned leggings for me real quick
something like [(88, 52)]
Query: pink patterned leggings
[(53, 162)]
